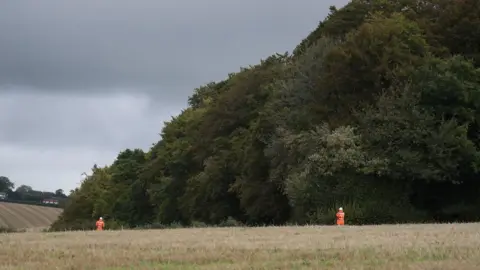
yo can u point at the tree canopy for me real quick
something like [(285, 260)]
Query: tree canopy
[(377, 111), (27, 195), (5, 184)]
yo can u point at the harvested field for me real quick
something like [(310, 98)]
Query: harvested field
[(447, 246), (24, 216)]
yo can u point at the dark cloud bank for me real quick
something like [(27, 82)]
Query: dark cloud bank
[(81, 80)]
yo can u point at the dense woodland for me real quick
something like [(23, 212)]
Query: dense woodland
[(377, 110)]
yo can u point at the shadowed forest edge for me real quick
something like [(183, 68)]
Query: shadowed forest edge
[(377, 110)]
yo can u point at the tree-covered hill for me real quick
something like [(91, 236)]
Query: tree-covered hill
[(24, 194), (377, 110)]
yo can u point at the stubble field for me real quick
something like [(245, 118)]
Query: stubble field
[(30, 217), (447, 246)]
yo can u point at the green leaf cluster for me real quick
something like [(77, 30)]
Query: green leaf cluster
[(377, 110)]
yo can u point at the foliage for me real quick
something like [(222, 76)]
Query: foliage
[(10, 230), (27, 195), (377, 110), (5, 184)]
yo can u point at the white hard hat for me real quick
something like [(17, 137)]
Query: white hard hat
[(101, 218), (341, 208)]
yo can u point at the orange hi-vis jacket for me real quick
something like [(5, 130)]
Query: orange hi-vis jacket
[(340, 217), (100, 225)]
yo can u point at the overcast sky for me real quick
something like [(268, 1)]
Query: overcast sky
[(82, 80)]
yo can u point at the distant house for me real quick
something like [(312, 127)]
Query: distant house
[(3, 195), (50, 201)]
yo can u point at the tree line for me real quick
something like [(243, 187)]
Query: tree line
[(26, 194), (377, 111)]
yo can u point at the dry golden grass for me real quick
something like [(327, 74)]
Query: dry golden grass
[(24, 216), (447, 246)]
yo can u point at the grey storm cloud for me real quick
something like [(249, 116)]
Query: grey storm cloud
[(161, 47), (104, 121), (82, 80)]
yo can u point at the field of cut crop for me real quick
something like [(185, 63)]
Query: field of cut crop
[(24, 216), (447, 246)]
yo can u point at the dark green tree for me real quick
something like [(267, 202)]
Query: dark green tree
[(5, 184), (377, 110)]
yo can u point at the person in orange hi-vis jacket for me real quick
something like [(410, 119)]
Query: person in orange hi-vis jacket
[(340, 217), (100, 224)]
